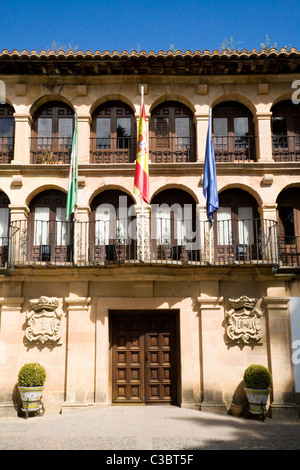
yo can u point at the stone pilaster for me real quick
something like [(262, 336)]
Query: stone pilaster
[(211, 316), (80, 362), (281, 366), (10, 339)]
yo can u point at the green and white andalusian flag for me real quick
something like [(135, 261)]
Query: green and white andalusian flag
[(73, 175)]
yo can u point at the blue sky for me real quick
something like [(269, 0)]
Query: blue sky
[(148, 25)]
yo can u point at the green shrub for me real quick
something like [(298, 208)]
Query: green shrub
[(257, 377), (32, 375)]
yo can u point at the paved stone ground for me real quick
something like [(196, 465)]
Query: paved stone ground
[(146, 428)]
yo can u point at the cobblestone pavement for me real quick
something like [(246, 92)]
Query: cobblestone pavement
[(146, 428)]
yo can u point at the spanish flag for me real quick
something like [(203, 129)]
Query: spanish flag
[(141, 177)]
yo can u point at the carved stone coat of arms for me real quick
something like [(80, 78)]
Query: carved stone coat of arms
[(44, 322), (243, 321)]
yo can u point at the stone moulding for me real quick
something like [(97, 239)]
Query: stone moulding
[(243, 325), (44, 322)]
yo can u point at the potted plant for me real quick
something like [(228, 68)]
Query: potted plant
[(31, 381), (258, 380)]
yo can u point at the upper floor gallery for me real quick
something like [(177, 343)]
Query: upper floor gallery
[(249, 96)]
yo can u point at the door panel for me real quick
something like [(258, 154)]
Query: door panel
[(128, 353), (160, 359), (144, 358)]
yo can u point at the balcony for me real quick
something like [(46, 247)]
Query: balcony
[(289, 251), (172, 149), (90, 244), (50, 150), (286, 148), (113, 150), (234, 148)]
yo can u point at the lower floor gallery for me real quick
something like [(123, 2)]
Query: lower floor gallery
[(149, 335)]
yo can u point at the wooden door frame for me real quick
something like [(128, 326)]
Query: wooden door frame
[(176, 314)]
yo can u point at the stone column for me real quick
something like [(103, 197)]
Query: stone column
[(143, 250), (82, 236), (84, 145), (264, 150), (211, 318), (201, 122), (206, 235), (280, 361), (269, 235), (18, 233), (22, 139), (80, 362)]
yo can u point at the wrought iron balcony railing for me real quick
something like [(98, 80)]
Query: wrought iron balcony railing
[(286, 148), (234, 148), (113, 149), (62, 243), (50, 150), (289, 248), (6, 149), (172, 149)]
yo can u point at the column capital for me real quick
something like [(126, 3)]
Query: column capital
[(86, 118), (210, 303), (77, 303), (19, 209), (138, 209), (276, 303), (262, 116), (23, 117), (201, 117), (11, 303)]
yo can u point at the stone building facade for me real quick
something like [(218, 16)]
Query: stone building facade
[(177, 318)]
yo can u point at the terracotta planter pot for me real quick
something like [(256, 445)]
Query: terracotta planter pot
[(236, 410), (257, 400)]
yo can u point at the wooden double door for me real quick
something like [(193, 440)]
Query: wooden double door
[(144, 357)]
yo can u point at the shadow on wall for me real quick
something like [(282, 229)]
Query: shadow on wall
[(239, 406)]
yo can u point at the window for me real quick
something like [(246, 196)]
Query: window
[(113, 134), (237, 226), (286, 131), (172, 133), (112, 228), (51, 140), (4, 228), (233, 132), (7, 126), (49, 234), (173, 226), (288, 212)]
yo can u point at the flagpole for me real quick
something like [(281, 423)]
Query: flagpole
[(142, 206), (210, 189), (210, 224)]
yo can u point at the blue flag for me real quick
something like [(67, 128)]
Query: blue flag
[(210, 189)]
